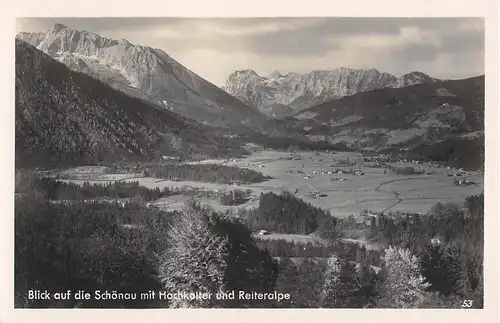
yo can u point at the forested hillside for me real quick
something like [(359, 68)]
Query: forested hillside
[(426, 118), (65, 117), (395, 108)]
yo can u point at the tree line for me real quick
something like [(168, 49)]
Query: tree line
[(284, 213), (457, 152), (58, 190), (212, 173), (289, 141)]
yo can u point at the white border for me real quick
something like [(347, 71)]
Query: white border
[(253, 8)]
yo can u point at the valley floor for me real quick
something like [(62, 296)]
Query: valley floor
[(374, 191)]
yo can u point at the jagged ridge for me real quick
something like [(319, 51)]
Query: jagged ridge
[(299, 91), (144, 72)]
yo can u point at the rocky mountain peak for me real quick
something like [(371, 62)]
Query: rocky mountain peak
[(58, 27), (299, 91), (247, 72), (143, 72), (275, 74)]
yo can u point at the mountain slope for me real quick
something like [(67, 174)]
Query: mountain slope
[(398, 117), (278, 95), (68, 117), (143, 72)]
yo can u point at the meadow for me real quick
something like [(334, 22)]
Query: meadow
[(377, 190)]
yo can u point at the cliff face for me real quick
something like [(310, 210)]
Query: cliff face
[(298, 91)]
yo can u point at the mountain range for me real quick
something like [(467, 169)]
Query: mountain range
[(87, 98), (279, 95), (143, 72), (65, 117), (152, 75)]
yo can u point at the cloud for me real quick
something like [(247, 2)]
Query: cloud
[(213, 48), (406, 36)]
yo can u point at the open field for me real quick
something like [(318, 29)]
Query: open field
[(297, 238), (374, 190)]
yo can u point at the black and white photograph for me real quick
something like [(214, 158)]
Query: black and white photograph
[(249, 162)]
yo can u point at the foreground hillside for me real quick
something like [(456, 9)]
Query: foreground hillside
[(127, 248), (143, 72), (65, 117)]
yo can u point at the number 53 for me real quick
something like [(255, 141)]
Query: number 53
[(467, 303)]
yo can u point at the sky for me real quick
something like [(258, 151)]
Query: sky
[(445, 48)]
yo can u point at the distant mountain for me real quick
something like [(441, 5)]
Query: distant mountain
[(278, 95), (143, 72), (66, 117), (398, 117)]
